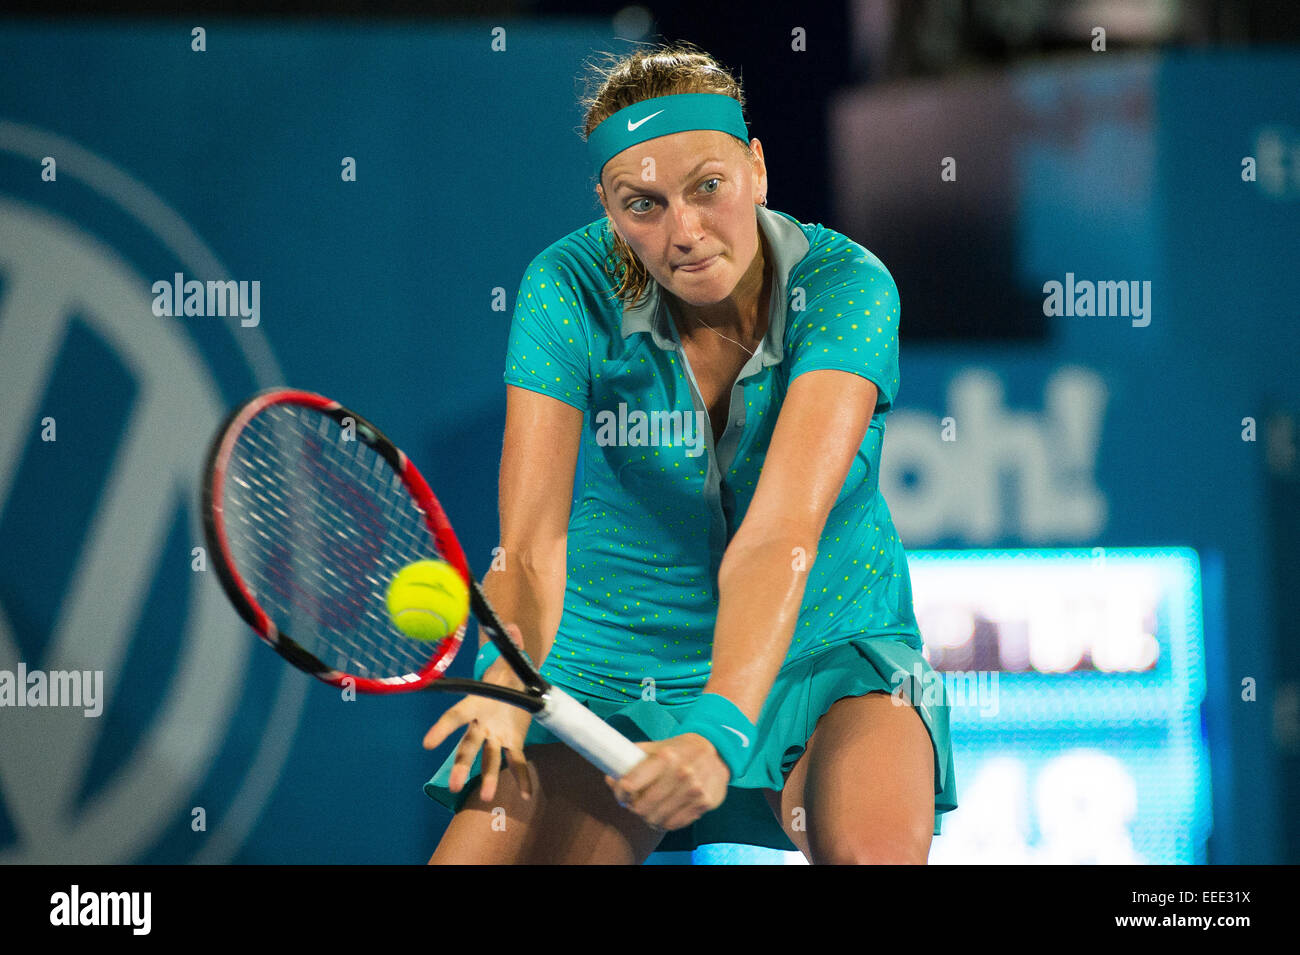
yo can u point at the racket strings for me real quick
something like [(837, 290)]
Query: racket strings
[(318, 524)]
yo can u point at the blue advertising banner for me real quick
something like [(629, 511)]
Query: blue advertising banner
[(1152, 207), (128, 157)]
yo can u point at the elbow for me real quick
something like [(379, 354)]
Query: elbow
[(533, 560)]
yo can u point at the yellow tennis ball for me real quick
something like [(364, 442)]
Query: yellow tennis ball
[(428, 600)]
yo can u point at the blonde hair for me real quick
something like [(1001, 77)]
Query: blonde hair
[(621, 81)]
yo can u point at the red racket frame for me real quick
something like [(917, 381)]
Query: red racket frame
[(236, 588)]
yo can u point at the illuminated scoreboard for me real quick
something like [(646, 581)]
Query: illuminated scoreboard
[(1076, 680)]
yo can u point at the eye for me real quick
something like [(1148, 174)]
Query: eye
[(631, 205), (716, 188)]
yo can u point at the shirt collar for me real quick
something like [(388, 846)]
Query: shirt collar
[(787, 246)]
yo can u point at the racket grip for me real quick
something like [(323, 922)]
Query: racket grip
[(591, 737)]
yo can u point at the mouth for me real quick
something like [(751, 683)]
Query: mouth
[(699, 266)]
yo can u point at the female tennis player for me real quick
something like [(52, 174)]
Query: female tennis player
[(726, 587)]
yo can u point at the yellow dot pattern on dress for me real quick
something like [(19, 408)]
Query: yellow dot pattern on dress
[(652, 515)]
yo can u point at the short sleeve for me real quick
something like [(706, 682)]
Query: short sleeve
[(548, 345), (850, 318)]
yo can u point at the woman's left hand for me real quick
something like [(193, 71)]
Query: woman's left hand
[(682, 778)]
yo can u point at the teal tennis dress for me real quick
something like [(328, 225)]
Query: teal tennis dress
[(657, 501)]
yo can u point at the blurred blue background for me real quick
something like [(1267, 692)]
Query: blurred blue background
[(1096, 435)]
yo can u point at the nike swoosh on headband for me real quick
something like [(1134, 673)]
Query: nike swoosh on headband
[(743, 738), (631, 126)]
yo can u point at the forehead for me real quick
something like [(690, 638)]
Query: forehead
[(674, 155)]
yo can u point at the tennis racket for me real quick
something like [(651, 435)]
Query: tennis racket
[(309, 512)]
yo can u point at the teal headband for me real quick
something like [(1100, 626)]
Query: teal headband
[(662, 116)]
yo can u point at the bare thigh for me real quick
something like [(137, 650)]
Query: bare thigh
[(572, 819), (863, 790)]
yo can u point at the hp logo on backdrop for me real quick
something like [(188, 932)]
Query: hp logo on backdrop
[(96, 528)]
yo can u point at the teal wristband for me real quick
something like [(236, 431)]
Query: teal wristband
[(723, 724), (488, 654)]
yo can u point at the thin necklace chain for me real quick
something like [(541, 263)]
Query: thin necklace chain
[(720, 335)]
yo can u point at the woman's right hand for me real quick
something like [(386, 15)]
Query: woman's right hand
[(494, 726)]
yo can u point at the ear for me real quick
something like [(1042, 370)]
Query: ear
[(600, 194), (760, 168)]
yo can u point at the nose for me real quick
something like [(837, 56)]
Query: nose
[(687, 225)]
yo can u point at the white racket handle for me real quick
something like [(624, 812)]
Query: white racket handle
[(586, 733)]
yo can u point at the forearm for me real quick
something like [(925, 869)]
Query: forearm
[(528, 591), (761, 586)]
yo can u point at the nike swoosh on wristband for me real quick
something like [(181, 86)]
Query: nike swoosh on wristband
[(743, 738), (631, 126)]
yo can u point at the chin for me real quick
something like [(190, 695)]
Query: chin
[(695, 292), (701, 298)]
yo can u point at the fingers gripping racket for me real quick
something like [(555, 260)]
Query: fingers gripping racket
[(309, 511)]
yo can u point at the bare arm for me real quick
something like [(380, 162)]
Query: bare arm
[(538, 460), (821, 425)]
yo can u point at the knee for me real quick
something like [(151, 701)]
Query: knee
[(874, 850)]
